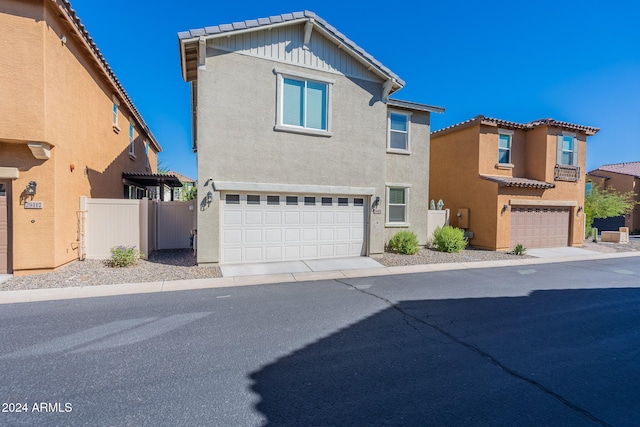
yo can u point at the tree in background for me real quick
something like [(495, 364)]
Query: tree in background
[(606, 203), (162, 168)]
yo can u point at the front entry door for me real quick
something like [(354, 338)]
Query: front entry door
[(4, 227)]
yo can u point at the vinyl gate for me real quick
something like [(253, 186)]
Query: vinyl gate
[(146, 224)]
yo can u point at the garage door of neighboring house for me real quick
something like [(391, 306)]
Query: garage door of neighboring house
[(279, 227), (4, 228), (539, 227)]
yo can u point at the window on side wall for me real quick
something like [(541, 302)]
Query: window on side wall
[(146, 154), (504, 148), (114, 114), (398, 136), (303, 104), (397, 204), (132, 145)]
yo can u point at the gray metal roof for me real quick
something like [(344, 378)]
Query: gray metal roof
[(414, 106), (261, 23)]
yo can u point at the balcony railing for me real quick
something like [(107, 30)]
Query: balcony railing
[(567, 173)]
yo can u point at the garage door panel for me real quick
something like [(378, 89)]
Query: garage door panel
[(253, 218), (273, 218), (259, 232), (310, 218), (253, 254), (292, 218), (253, 236), (273, 235)]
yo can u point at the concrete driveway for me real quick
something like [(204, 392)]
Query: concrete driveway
[(329, 264)]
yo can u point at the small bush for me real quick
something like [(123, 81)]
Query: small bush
[(449, 239), (124, 256), (519, 249), (404, 242)]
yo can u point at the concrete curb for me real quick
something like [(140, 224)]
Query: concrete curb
[(54, 294)]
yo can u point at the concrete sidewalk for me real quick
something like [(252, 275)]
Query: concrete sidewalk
[(33, 295)]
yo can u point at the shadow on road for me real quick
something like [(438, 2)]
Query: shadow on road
[(565, 357)]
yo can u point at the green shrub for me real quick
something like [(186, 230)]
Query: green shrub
[(124, 256), (449, 239), (404, 242), (519, 249)]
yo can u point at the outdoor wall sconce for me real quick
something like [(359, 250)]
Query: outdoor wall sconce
[(504, 208), (376, 202), (31, 188), (209, 198), (580, 209)]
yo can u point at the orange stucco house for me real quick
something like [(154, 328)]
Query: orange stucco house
[(68, 129), (623, 177), (508, 183)]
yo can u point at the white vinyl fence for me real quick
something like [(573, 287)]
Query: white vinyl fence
[(146, 224), (435, 219)]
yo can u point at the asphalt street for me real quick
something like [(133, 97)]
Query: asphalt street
[(549, 344)]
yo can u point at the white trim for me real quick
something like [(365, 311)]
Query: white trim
[(281, 74), (508, 133), (9, 173), (262, 187), (407, 195), (408, 133), (525, 202), (571, 134), (300, 75)]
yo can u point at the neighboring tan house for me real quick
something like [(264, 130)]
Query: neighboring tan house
[(180, 193), (68, 129), (623, 177), (300, 152), (508, 183)]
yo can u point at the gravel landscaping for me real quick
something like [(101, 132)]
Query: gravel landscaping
[(181, 264)]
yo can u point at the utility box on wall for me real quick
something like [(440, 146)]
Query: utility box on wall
[(463, 218)]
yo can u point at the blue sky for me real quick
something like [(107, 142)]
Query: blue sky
[(576, 61)]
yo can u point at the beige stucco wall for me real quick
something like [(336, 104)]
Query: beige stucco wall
[(236, 98), (455, 178), (55, 94)]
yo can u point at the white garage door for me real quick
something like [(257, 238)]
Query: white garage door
[(287, 227)]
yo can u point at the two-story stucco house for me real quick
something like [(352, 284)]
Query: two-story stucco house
[(623, 177), (301, 153), (67, 129), (508, 183)]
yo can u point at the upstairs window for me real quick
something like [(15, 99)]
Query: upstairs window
[(146, 154), (303, 103), (504, 148), (132, 145), (567, 150), (398, 138), (114, 114)]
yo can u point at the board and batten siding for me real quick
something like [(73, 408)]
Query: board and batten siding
[(285, 44)]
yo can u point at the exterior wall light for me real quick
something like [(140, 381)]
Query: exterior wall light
[(376, 202), (580, 209), (209, 198), (31, 188)]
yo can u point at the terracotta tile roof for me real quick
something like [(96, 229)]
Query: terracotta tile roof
[(507, 181), (66, 11), (628, 168), (490, 121), (182, 178), (251, 24)]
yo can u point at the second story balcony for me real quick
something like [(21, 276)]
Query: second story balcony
[(567, 173)]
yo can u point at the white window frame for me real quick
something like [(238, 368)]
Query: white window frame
[(508, 133), (115, 113), (295, 75), (408, 133), (407, 194), (132, 140)]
